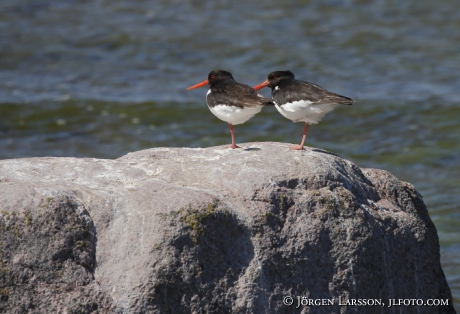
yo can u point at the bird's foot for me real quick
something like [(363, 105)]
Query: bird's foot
[(297, 147), (234, 146)]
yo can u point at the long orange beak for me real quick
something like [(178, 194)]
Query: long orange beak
[(204, 83), (260, 86)]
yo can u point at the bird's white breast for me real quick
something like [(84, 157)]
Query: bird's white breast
[(305, 111), (233, 115)]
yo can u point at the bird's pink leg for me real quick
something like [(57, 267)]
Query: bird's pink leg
[(305, 131), (232, 131)]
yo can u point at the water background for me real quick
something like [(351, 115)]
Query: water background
[(100, 79)]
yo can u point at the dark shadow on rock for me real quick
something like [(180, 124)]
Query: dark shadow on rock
[(56, 246), (317, 150), (305, 272), (209, 257)]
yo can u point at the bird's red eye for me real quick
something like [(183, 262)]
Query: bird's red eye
[(275, 77), (213, 76)]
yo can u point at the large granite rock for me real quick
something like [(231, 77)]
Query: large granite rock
[(214, 230)]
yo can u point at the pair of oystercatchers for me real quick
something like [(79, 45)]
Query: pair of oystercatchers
[(299, 101)]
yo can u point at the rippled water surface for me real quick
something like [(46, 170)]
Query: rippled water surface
[(103, 78)]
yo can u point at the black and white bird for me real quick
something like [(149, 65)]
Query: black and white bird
[(301, 101), (230, 101)]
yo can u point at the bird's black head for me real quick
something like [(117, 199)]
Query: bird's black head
[(214, 77), (276, 77), (219, 76)]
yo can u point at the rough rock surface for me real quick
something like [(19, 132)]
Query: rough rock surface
[(214, 230)]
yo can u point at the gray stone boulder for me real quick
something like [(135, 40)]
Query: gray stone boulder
[(214, 230)]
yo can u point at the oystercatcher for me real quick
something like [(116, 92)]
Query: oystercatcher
[(230, 101), (301, 101)]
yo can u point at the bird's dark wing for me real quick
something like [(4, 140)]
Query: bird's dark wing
[(300, 90), (237, 95)]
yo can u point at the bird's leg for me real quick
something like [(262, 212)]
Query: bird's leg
[(232, 131), (305, 131)]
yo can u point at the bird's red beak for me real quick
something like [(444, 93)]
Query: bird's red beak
[(204, 83), (260, 86)]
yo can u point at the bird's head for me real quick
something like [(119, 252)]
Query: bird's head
[(275, 78), (213, 78)]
